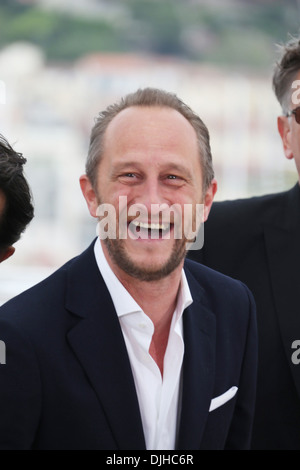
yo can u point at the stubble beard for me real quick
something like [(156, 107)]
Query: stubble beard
[(119, 255), (117, 252)]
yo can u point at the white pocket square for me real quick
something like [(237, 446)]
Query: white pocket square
[(221, 399)]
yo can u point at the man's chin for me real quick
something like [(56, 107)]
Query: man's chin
[(142, 266)]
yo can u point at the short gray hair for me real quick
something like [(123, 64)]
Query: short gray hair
[(148, 97), (285, 71)]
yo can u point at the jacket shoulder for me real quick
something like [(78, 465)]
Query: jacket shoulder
[(222, 294), (246, 216), (36, 300), (258, 206), (211, 280), (49, 291)]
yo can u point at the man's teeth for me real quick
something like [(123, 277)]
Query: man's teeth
[(150, 226)]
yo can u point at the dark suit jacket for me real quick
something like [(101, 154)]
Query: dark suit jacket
[(257, 240), (67, 381)]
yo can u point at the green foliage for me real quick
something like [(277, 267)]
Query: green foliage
[(163, 24), (191, 29), (61, 36)]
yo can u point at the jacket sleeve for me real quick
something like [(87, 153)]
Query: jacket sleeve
[(20, 390)]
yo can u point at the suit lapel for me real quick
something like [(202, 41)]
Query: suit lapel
[(198, 369), (98, 343), (283, 252)]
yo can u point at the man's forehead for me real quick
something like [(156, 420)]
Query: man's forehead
[(147, 114), (160, 124)]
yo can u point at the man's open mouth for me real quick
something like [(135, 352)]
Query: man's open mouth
[(150, 230)]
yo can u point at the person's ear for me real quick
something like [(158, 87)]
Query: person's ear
[(7, 253), (89, 195), (209, 197), (284, 129)]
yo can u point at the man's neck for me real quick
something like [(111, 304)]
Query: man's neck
[(158, 298), (158, 301)]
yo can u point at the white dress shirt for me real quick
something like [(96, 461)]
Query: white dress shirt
[(159, 398)]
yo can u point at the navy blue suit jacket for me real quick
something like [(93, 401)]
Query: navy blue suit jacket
[(67, 382)]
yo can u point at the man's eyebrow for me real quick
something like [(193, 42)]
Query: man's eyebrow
[(166, 167), (124, 165)]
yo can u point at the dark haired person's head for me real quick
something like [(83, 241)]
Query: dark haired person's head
[(286, 80), (16, 209)]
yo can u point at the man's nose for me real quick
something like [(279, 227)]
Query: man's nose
[(151, 196), (152, 193)]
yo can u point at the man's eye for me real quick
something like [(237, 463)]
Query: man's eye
[(128, 178), (175, 178)]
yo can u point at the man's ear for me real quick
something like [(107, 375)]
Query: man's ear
[(284, 130), (7, 253), (89, 195), (209, 197)]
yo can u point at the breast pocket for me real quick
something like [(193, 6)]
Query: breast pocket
[(222, 399)]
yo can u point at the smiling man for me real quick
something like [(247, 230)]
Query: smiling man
[(129, 346), (151, 157)]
